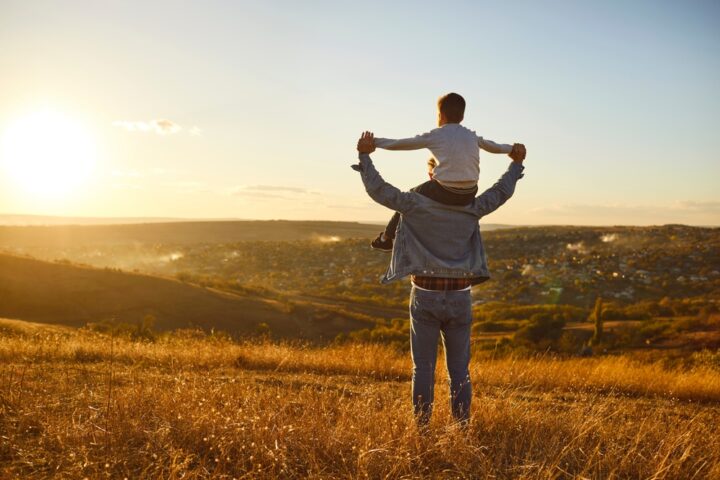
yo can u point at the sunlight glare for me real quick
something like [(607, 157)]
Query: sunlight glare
[(46, 153)]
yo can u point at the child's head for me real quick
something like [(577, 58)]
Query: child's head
[(451, 109)]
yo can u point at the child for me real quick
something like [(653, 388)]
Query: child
[(454, 178)]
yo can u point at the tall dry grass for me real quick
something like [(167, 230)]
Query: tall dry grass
[(78, 404)]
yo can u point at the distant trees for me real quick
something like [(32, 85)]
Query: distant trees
[(499, 311), (394, 333), (262, 329), (142, 330), (542, 330)]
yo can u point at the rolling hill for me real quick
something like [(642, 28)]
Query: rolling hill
[(178, 233), (154, 231), (72, 295)]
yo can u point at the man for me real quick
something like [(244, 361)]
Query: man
[(441, 248)]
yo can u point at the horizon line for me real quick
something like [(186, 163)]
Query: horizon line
[(120, 220)]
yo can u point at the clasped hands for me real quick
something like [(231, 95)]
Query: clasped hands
[(366, 143)]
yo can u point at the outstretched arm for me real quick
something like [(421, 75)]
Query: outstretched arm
[(378, 189), (415, 143), (492, 147), (492, 198)]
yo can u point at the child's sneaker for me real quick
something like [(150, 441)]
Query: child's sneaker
[(382, 243)]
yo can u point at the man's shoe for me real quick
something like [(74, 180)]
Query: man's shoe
[(384, 245)]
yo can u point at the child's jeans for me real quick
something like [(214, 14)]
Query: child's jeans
[(434, 191), (447, 315)]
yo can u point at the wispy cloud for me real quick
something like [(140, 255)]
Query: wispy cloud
[(273, 191), (704, 207), (159, 126)]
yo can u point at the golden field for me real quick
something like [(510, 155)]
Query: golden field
[(78, 404)]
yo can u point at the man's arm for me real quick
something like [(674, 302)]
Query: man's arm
[(492, 198), (381, 191), (415, 143), (378, 189), (492, 147)]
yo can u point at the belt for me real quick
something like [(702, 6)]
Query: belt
[(441, 283)]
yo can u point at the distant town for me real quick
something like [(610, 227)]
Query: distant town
[(555, 265)]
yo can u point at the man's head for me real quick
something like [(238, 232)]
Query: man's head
[(451, 109)]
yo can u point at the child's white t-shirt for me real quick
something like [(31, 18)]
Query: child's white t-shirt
[(456, 150)]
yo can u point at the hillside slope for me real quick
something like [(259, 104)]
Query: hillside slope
[(72, 295), (153, 231), (179, 233)]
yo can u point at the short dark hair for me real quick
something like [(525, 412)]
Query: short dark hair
[(452, 106)]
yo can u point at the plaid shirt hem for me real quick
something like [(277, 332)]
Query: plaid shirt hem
[(441, 283)]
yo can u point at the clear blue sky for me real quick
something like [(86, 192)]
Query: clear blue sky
[(617, 102)]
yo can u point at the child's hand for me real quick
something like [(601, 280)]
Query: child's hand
[(518, 152), (366, 144)]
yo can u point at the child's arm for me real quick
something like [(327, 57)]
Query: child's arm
[(415, 143), (492, 147)]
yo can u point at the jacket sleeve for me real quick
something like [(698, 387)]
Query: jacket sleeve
[(492, 147), (492, 198), (381, 191), (414, 143)]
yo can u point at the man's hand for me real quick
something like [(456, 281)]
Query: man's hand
[(366, 144), (518, 153)]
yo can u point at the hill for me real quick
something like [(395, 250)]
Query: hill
[(568, 265), (178, 233), (59, 232), (660, 285), (73, 295)]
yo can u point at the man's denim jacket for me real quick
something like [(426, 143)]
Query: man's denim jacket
[(433, 239)]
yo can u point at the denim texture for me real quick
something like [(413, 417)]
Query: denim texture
[(434, 191), (445, 315), (433, 239)]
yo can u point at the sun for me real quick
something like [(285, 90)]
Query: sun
[(47, 153)]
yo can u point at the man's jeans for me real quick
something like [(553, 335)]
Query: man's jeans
[(445, 314)]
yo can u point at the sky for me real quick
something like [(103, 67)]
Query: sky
[(233, 109)]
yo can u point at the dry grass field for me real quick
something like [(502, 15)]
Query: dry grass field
[(78, 404)]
